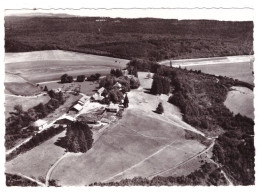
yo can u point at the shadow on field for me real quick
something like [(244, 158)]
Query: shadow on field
[(147, 90)]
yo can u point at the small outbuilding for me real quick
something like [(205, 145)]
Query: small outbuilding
[(77, 107), (40, 124), (112, 108)]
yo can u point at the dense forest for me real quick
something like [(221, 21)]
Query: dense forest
[(146, 38), (200, 98)]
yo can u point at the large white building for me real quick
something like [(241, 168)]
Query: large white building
[(40, 124)]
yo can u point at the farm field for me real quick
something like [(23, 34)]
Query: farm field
[(39, 66), (241, 100), (37, 161), (25, 102), (141, 144), (86, 87), (16, 85), (237, 67)]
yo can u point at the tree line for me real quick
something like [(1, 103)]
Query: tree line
[(201, 100), (36, 140)]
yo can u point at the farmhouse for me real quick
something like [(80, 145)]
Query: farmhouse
[(57, 90), (77, 107), (118, 85), (112, 108), (84, 100), (66, 120), (40, 124), (101, 90)]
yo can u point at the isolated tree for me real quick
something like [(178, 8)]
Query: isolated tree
[(126, 101), (81, 78), (45, 89), (64, 78), (159, 108), (18, 109)]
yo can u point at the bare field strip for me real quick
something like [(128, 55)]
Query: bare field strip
[(16, 85), (26, 103), (241, 100), (87, 87), (50, 65), (37, 161), (237, 67)]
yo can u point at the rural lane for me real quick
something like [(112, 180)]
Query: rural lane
[(52, 168)]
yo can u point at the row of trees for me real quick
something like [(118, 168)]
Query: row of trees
[(36, 140), (65, 78)]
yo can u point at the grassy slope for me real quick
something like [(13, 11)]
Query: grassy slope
[(50, 65), (37, 161), (16, 85), (140, 134), (11, 101)]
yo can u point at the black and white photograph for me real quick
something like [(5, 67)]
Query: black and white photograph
[(129, 97)]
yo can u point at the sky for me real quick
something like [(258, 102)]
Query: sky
[(227, 14)]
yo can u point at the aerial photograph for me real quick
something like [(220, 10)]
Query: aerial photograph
[(97, 100)]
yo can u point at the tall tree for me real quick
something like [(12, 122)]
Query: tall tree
[(160, 108), (126, 101)]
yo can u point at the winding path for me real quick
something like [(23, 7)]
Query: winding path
[(52, 168)]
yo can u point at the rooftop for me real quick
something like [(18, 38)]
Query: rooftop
[(39, 123)]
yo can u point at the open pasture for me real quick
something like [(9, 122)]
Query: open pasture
[(241, 100), (237, 67), (42, 66), (25, 102), (137, 146), (16, 85), (37, 161)]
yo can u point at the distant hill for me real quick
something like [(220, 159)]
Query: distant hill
[(147, 38)]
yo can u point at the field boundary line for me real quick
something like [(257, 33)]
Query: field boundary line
[(184, 162), (137, 164), (29, 178)]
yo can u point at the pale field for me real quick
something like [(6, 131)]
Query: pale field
[(42, 66), (141, 144), (37, 161), (237, 67), (87, 87), (16, 85), (25, 102), (241, 100)]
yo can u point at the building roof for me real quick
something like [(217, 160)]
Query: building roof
[(117, 84), (97, 97), (78, 107), (84, 99), (101, 90), (112, 106), (39, 123)]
